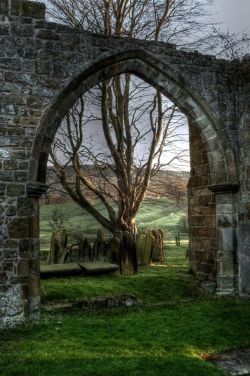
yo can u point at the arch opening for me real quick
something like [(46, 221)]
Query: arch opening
[(201, 119), (159, 76)]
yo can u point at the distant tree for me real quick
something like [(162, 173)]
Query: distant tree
[(57, 220)]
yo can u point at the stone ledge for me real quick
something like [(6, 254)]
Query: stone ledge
[(36, 189), (224, 187)]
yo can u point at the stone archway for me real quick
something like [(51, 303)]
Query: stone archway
[(160, 76), (213, 228), (39, 87)]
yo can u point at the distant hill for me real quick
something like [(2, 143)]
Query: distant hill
[(165, 183)]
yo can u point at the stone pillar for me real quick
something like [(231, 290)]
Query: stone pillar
[(19, 217), (19, 266), (244, 258), (226, 220), (203, 245), (243, 102), (32, 247)]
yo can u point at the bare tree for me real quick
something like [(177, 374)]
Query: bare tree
[(174, 21), (128, 110), (129, 157), (231, 46)]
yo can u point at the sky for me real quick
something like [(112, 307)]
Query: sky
[(234, 15)]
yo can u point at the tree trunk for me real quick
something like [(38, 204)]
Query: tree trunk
[(127, 254)]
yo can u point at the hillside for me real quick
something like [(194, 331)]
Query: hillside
[(154, 213), (168, 184)]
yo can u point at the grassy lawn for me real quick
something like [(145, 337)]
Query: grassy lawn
[(169, 334), (169, 283)]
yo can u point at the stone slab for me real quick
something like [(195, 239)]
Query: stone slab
[(63, 270), (59, 270), (236, 362), (98, 267)]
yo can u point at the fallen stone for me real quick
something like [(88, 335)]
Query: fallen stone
[(58, 307), (98, 267), (235, 362), (99, 302)]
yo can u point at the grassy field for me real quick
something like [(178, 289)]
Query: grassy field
[(154, 213), (151, 284), (171, 333)]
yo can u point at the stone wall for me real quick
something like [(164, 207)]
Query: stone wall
[(243, 138), (44, 67), (203, 247)]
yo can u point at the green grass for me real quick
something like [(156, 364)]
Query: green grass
[(163, 341), (154, 213), (169, 334), (169, 283)]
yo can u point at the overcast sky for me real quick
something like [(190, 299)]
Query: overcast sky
[(234, 15)]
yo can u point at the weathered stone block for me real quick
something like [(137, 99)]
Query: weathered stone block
[(24, 8), (11, 64), (43, 67), (2, 189), (21, 176), (11, 211), (47, 34), (22, 30), (34, 226), (3, 277), (4, 7), (10, 253), (29, 248), (34, 287), (19, 228), (23, 267), (27, 207), (4, 29), (11, 164), (23, 166), (6, 176), (10, 243), (15, 189)]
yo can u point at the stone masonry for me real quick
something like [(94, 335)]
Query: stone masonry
[(44, 68)]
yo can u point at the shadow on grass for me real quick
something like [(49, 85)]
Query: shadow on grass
[(152, 285), (107, 365), (150, 341)]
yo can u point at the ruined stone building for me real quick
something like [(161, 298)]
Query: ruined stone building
[(44, 68)]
